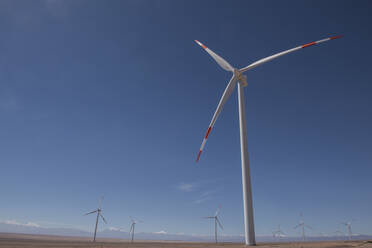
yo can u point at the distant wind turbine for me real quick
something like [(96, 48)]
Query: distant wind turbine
[(132, 226), (302, 225), (348, 226), (99, 213), (278, 233), (216, 220)]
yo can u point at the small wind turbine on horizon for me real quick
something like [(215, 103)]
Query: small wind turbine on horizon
[(99, 214), (240, 80), (278, 233), (348, 226), (216, 220), (132, 226), (302, 225)]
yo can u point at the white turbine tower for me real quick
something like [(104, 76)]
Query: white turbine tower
[(302, 225), (99, 213), (132, 226), (241, 80), (348, 226), (216, 220), (278, 233)]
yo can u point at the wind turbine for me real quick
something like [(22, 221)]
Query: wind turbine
[(241, 80), (216, 220), (278, 233), (99, 213), (348, 226), (132, 226), (302, 225)]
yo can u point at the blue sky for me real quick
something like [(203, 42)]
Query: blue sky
[(114, 98)]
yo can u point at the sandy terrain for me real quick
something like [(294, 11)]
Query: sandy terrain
[(24, 240)]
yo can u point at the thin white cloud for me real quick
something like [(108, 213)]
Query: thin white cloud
[(187, 187), (161, 232), (14, 222), (117, 229), (201, 200), (33, 224), (205, 196), (52, 223), (197, 187), (207, 193)]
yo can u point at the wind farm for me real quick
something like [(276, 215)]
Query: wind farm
[(139, 123)]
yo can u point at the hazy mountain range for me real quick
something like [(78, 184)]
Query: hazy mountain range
[(33, 228)]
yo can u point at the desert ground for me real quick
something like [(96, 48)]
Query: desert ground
[(43, 241)]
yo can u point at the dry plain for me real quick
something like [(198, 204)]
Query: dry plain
[(44, 241)]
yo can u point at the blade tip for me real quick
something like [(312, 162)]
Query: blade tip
[(197, 159), (200, 44), (337, 37)]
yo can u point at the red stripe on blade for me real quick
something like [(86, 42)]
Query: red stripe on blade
[(336, 37), (208, 131), (197, 159), (309, 44)]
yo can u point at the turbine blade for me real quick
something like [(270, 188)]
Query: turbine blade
[(219, 223), (217, 211), (131, 227), (225, 96), (309, 227), (91, 212), (223, 63), (264, 60), (100, 201), (208, 217), (297, 226), (103, 218)]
